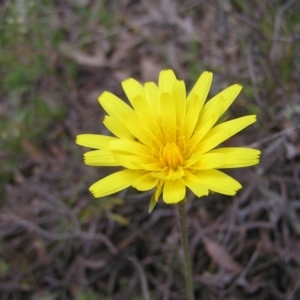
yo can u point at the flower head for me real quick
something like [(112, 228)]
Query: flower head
[(166, 140)]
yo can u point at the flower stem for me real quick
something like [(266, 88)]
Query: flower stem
[(186, 253)]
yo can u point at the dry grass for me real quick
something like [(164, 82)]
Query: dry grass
[(57, 242)]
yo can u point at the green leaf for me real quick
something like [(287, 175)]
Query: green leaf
[(152, 204), (119, 219)]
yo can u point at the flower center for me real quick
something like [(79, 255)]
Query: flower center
[(170, 156)]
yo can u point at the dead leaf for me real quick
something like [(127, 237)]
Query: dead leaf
[(220, 256), (121, 74), (290, 129), (149, 69), (291, 150), (32, 150), (96, 60)]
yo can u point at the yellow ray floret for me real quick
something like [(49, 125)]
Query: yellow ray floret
[(166, 140)]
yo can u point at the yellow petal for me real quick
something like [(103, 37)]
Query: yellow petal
[(205, 161), (145, 182), (179, 97), (138, 130), (216, 106), (94, 141), (193, 183), (224, 131), (153, 97), (100, 158), (154, 166), (168, 174), (210, 161), (209, 143), (146, 116), (222, 100), (168, 118), (202, 130), (238, 157), (114, 106), (202, 87), (191, 177), (114, 183), (174, 191), (192, 115), (198, 190), (117, 127), (176, 173), (165, 81), (195, 102), (218, 181), (129, 147), (132, 89), (160, 175), (192, 160), (134, 162)]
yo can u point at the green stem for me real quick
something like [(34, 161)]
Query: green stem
[(186, 253)]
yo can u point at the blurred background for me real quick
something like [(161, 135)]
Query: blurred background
[(56, 240)]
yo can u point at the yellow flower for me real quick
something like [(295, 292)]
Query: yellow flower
[(166, 140)]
